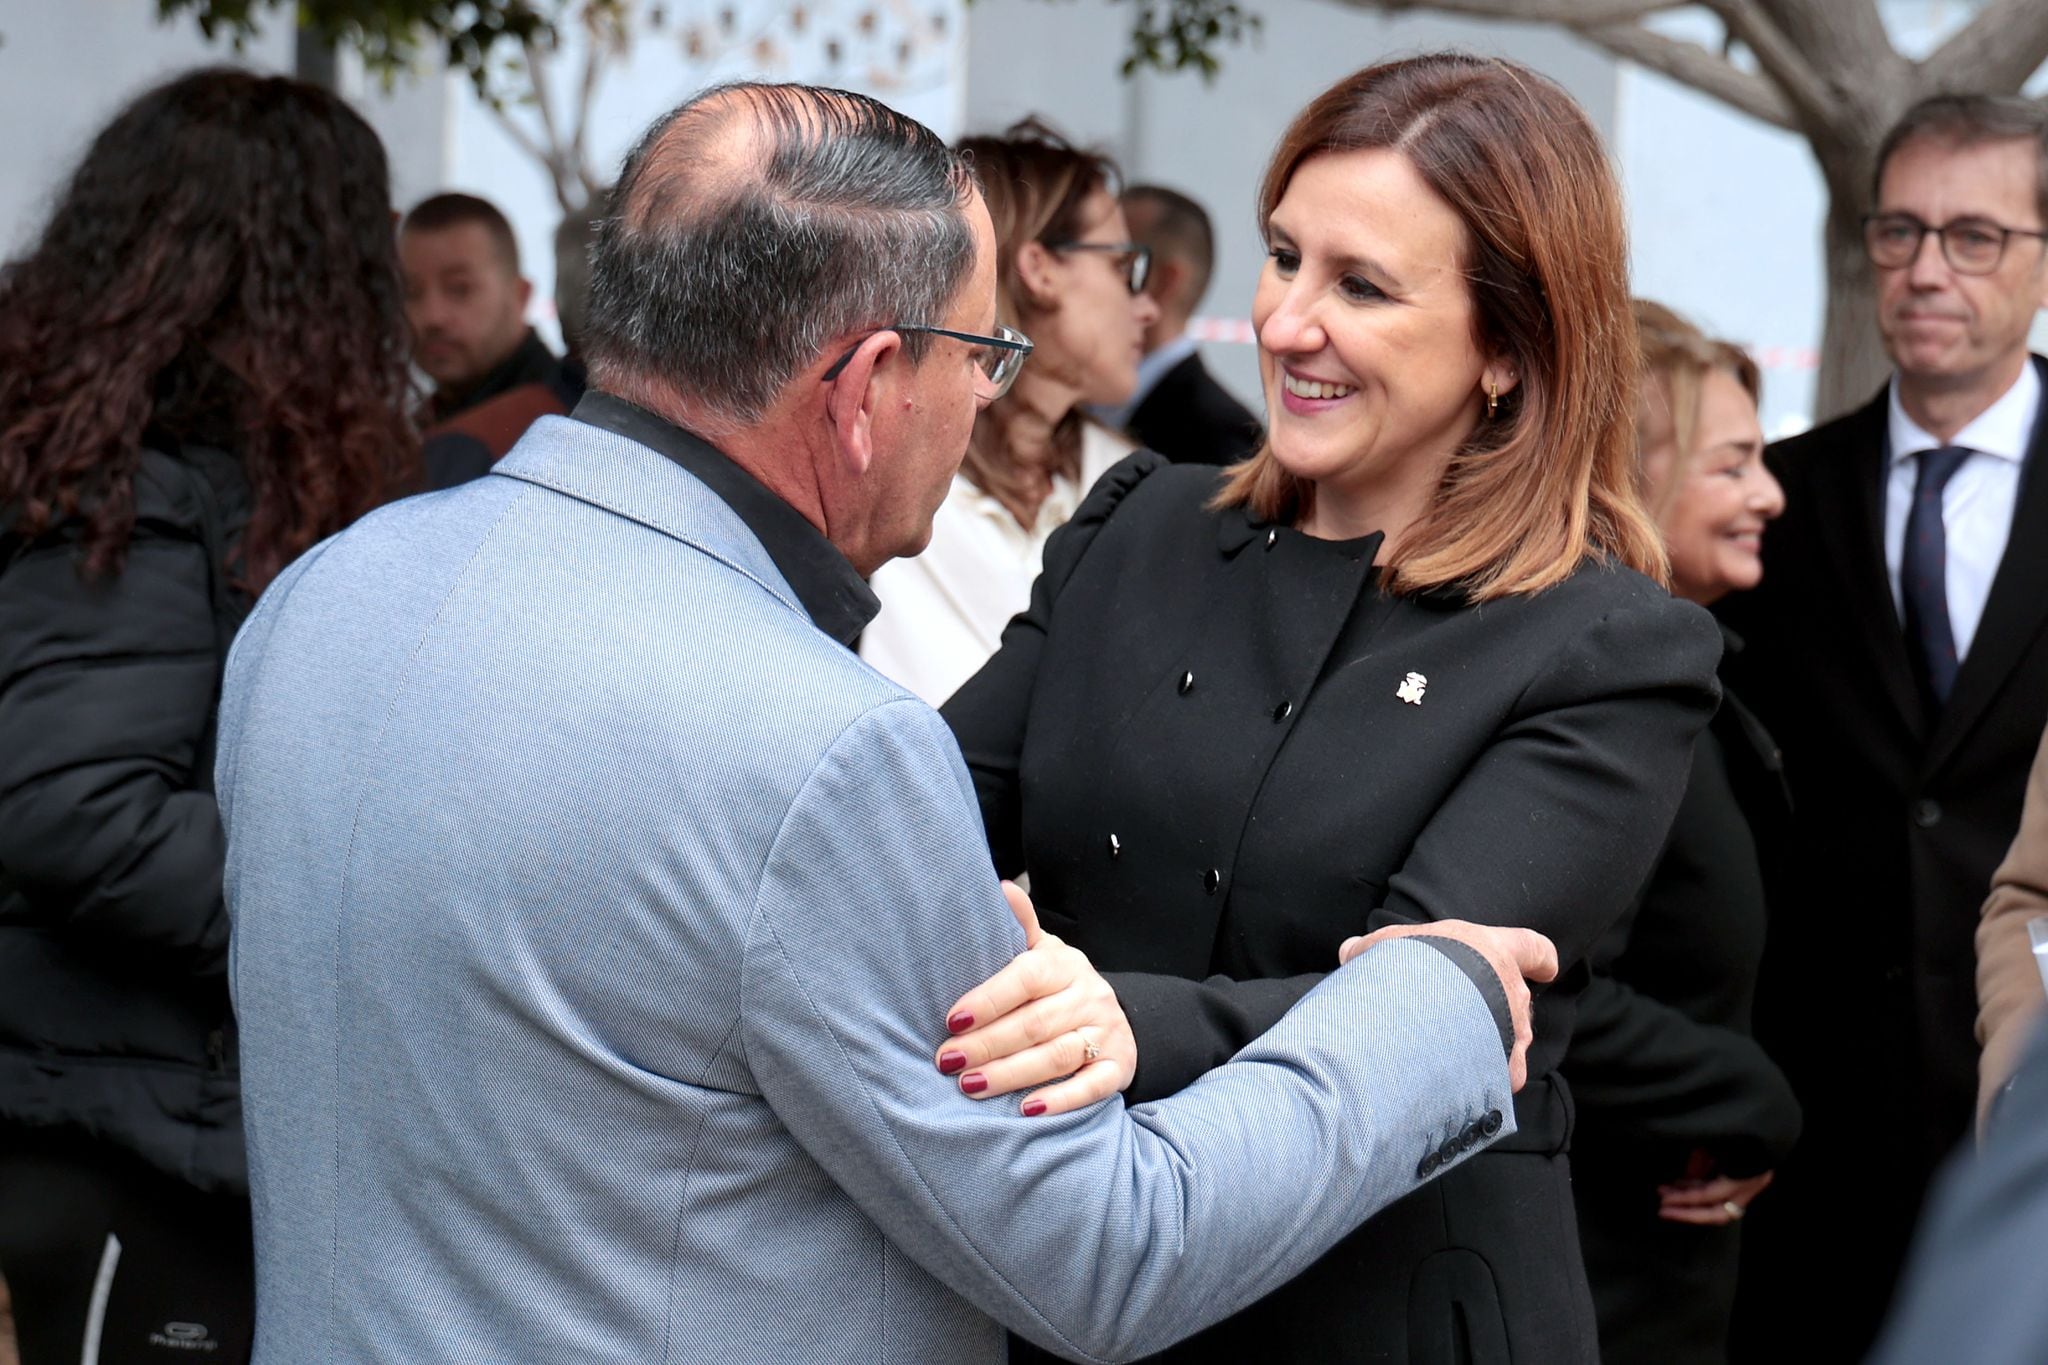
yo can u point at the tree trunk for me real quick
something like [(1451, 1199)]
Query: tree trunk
[(1852, 357)]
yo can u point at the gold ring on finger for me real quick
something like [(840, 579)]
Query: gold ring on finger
[(1088, 1048)]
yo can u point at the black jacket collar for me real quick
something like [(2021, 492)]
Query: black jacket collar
[(835, 597)]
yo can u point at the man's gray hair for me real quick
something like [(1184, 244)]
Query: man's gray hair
[(756, 224)]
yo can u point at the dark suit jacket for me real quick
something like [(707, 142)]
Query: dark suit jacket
[(1868, 988), (1191, 419), (1668, 1080), (1194, 740)]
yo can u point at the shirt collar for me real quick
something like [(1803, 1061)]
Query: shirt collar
[(1151, 370), (833, 595), (2004, 429)]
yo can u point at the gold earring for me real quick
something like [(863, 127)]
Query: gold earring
[(1492, 399)]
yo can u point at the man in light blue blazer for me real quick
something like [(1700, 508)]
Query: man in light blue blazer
[(597, 912)]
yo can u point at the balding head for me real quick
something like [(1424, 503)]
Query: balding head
[(758, 223)]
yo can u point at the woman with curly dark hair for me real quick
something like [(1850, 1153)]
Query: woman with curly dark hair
[(202, 372)]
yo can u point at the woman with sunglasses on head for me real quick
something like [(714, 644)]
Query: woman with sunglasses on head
[(1681, 1115), (1068, 277), (1412, 662)]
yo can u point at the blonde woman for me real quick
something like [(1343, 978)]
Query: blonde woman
[(1070, 278), (1681, 1115)]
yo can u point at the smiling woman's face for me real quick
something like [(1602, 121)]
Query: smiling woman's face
[(1365, 321)]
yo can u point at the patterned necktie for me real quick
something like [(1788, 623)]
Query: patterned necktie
[(1923, 572)]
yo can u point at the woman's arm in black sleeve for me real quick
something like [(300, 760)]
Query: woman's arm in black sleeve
[(106, 691), (1647, 1072), (987, 714)]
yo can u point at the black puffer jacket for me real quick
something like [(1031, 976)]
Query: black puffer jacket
[(114, 1015)]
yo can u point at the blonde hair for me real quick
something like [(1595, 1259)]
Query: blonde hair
[(1676, 358), (1551, 480)]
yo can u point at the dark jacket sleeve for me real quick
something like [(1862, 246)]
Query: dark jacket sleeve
[(1571, 801), (988, 713), (107, 689), (1660, 1078)]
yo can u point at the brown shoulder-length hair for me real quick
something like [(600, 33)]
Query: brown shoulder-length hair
[(1551, 480), (220, 268), (1035, 183), (1676, 359)]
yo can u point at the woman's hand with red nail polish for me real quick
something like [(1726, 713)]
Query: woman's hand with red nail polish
[(1036, 1021)]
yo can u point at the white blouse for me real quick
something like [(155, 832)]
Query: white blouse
[(943, 612)]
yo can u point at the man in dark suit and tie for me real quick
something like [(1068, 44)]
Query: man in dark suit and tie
[(1897, 650), (1179, 409)]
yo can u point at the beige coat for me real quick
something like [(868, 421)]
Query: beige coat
[(2009, 994)]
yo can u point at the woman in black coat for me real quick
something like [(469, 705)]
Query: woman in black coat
[(202, 371), (1681, 1115), (1412, 662)]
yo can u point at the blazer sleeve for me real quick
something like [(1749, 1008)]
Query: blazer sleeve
[(107, 689), (1571, 801), (987, 714), (1109, 1233), (1657, 1077), (2009, 992)]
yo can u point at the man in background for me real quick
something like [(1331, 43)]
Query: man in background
[(1897, 650), (1179, 409), (467, 302)]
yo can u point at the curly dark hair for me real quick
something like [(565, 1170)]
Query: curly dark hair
[(220, 268)]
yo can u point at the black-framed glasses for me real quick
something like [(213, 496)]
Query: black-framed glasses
[(1136, 264), (1971, 246), (1001, 355)]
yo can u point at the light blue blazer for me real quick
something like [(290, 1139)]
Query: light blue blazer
[(595, 922)]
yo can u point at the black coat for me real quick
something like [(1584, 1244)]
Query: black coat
[(1191, 419), (114, 1015), (1193, 740), (1668, 1080), (1868, 989)]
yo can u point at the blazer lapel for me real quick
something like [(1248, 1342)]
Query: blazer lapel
[(2016, 608), (1857, 472)]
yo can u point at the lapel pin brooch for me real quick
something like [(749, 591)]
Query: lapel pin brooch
[(1411, 689)]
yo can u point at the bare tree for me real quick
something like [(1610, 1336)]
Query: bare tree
[(1825, 69)]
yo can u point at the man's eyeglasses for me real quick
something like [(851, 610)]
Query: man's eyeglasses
[(1971, 246), (1136, 263), (997, 361)]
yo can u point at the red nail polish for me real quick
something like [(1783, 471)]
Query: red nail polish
[(952, 1062), (1033, 1108), (974, 1082), (960, 1022)]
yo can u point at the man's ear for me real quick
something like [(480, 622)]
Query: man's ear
[(525, 294), (1168, 278), (857, 394), (1037, 269)]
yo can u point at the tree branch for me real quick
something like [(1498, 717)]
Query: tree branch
[(1785, 65), (1690, 64), (1997, 50)]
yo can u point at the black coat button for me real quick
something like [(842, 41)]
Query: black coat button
[(1927, 814), (1187, 683), (1116, 848), (1894, 974), (1428, 1166), (1449, 1151), (1283, 711), (1491, 1124), (1272, 536), (1211, 880)]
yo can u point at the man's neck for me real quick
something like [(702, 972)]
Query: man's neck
[(1943, 407)]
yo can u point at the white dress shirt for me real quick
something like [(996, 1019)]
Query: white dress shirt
[(943, 612), (1977, 505)]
